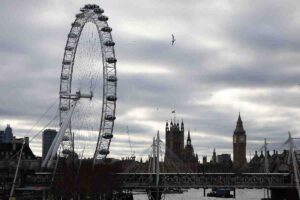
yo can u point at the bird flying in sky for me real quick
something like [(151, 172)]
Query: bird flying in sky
[(173, 39)]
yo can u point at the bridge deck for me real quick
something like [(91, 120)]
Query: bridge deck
[(205, 180), (135, 181)]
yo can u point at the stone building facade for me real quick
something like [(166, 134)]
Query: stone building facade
[(175, 149)]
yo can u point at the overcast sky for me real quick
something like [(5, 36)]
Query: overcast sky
[(229, 56)]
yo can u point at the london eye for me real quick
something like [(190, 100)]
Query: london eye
[(88, 71)]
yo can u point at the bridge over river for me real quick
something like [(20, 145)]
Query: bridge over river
[(278, 183), (134, 181)]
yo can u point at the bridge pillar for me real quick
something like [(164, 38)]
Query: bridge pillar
[(234, 193), (284, 194), (154, 194)]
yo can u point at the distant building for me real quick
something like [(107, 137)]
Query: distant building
[(204, 159), (11, 151), (2, 136), (224, 159), (8, 150), (239, 145), (189, 157), (176, 154), (214, 157), (174, 141), (20, 140), (8, 134), (277, 162), (218, 164), (48, 137)]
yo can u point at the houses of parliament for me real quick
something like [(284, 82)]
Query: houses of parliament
[(177, 151)]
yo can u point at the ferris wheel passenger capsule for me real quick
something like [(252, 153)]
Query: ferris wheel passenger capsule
[(107, 136), (87, 6), (69, 48), (112, 79), (98, 10), (76, 24), (111, 98), (106, 29), (72, 35), (80, 15), (103, 18), (64, 108), (65, 77), (66, 151), (111, 60), (103, 151), (110, 117), (109, 43), (66, 62), (91, 6), (66, 138)]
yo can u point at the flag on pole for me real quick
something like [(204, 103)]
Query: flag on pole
[(173, 111)]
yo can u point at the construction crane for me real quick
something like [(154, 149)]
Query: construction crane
[(129, 141)]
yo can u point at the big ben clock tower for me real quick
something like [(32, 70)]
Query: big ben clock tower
[(239, 144)]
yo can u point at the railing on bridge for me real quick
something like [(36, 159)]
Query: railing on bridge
[(207, 180)]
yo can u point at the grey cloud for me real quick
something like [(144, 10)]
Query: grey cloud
[(264, 44)]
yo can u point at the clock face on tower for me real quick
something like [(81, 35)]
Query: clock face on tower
[(234, 139), (242, 138)]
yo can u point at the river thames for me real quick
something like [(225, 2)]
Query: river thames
[(193, 194)]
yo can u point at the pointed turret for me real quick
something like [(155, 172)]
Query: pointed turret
[(189, 141), (182, 125), (262, 155), (214, 156)]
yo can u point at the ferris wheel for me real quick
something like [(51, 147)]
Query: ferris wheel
[(89, 55)]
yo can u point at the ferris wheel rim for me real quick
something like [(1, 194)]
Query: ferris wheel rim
[(92, 13)]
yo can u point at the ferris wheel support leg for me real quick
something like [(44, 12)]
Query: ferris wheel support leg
[(55, 145), (61, 133)]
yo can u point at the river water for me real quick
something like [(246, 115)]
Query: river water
[(193, 194)]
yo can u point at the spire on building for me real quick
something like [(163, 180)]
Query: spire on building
[(189, 141), (239, 121), (261, 155), (214, 157), (239, 126)]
